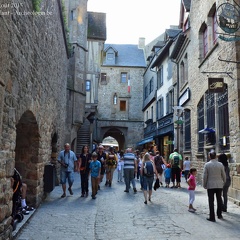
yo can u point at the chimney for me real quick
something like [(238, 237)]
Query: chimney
[(141, 43)]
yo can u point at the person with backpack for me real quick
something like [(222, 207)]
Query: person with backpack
[(176, 165), (160, 165), (148, 169)]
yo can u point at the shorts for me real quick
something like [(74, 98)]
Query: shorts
[(67, 175), (147, 183)]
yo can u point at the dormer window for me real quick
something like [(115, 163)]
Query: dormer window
[(110, 56)]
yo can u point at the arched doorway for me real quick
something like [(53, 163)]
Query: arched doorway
[(110, 142), (27, 154), (116, 134)]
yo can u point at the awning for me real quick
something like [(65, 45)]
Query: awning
[(145, 140)]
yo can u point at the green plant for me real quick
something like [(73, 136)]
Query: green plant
[(36, 5), (69, 45)]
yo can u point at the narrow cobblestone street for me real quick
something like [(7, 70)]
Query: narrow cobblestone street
[(116, 215)]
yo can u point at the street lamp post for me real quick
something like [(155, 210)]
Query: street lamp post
[(178, 111)]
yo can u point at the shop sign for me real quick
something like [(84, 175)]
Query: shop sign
[(228, 19), (215, 85)]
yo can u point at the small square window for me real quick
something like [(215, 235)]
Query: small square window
[(103, 78), (123, 77), (123, 106)]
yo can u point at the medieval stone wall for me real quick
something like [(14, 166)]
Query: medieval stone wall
[(33, 74)]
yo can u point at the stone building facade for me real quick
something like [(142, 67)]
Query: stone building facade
[(120, 95), (33, 82), (211, 120), (77, 22), (95, 44)]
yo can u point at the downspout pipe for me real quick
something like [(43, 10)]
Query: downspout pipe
[(178, 130)]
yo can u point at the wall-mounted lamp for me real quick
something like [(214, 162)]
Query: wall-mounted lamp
[(224, 141)]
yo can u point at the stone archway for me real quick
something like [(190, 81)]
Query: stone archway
[(27, 155), (118, 135)]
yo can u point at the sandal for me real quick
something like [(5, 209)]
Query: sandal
[(70, 191), (63, 196)]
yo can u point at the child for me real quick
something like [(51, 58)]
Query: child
[(167, 175), (120, 166), (191, 189), (95, 170)]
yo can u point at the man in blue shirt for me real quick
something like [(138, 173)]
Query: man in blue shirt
[(68, 161), (95, 170)]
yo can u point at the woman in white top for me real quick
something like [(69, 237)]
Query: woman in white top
[(186, 167)]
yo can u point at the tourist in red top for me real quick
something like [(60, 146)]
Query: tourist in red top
[(191, 188)]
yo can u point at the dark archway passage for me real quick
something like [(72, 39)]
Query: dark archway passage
[(27, 154)]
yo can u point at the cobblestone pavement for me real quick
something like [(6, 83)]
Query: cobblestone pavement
[(116, 215)]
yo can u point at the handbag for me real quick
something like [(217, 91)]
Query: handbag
[(156, 184)]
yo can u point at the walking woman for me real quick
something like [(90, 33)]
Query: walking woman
[(84, 162), (223, 159), (148, 169)]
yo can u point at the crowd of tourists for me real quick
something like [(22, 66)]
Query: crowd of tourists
[(149, 168)]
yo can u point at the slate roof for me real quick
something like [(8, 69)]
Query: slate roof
[(159, 44), (97, 26), (172, 33), (187, 4), (127, 55)]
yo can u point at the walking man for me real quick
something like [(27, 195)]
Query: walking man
[(214, 178), (176, 164), (130, 167), (68, 161)]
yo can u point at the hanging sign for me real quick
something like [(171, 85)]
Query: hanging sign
[(228, 19), (215, 85)]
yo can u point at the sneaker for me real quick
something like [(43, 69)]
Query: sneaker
[(191, 210), (24, 211), (27, 208), (126, 191), (135, 190)]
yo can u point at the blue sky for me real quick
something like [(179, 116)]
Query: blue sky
[(127, 20)]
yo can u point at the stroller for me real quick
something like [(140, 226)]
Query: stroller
[(17, 215)]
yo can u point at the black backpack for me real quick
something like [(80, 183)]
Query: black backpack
[(148, 169), (175, 161)]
